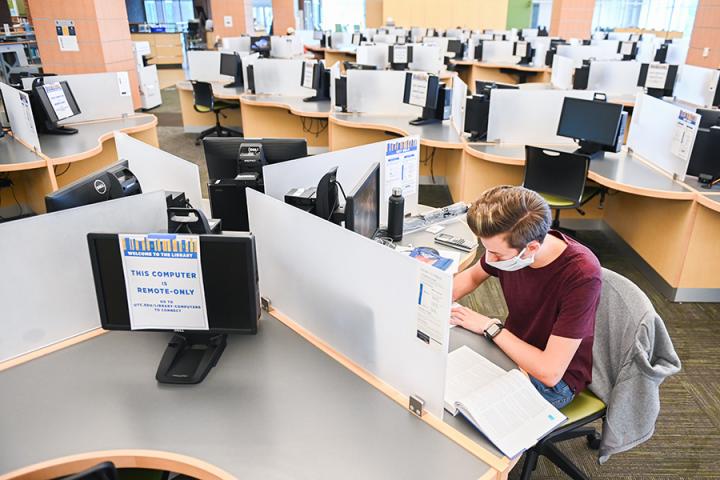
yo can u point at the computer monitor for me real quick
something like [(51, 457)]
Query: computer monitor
[(362, 206), (52, 102), (327, 197), (658, 79), (315, 76), (116, 181), (260, 45), (704, 161), (231, 296), (221, 154), (709, 117), (485, 88), (358, 66), (423, 90), (250, 81), (524, 50), (456, 47), (628, 50), (231, 65), (596, 124), (477, 111), (661, 53), (400, 56), (357, 39), (341, 93)]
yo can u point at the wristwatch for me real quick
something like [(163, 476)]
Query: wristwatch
[(493, 330)]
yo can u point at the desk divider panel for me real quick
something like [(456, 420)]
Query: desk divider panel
[(528, 116), (204, 66), (279, 77), (652, 129), (584, 52), (100, 96), (427, 58), (236, 44), (378, 93), (156, 169), (563, 69), (19, 113), (459, 99), (614, 77), (696, 85), (373, 55), (352, 164), (356, 295), (500, 51), (48, 293)]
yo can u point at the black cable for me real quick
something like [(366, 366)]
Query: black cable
[(63, 172), (432, 165)]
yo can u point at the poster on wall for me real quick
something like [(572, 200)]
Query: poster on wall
[(163, 280), (67, 35)]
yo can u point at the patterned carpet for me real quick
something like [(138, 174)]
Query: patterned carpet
[(686, 444)]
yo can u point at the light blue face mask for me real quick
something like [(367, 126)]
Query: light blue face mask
[(512, 264)]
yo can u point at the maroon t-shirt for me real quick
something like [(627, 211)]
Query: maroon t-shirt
[(558, 299)]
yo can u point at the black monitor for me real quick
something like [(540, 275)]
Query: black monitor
[(595, 124), (704, 161), (362, 206), (260, 45), (52, 102), (485, 88), (422, 90), (315, 76), (358, 66), (709, 117), (357, 39), (523, 50), (250, 82), (477, 111), (456, 47), (400, 56), (116, 181), (652, 75), (221, 154), (628, 50), (231, 296), (661, 53), (341, 93), (327, 197), (231, 65)]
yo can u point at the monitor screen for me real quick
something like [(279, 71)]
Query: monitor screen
[(229, 64), (229, 274), (477, 110), (709, 117), (704, 158), (260, 44), (362, 208), (590, 120), (57, 100), (221, 154)]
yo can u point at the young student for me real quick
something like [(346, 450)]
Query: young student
[(551, 284)]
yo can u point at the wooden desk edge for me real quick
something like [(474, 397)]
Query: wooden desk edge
[(126, 458), (394, 129), (708, 203), (276, 104), (501, 465), (41, 352)]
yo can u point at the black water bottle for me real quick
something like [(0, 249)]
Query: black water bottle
[(396, 214)]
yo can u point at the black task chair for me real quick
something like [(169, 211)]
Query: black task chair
[(101, 471), (204, 102), (187, 220), (560, 178)]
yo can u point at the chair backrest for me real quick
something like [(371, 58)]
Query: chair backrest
[(101, 471), (187, 220), (557, 173), (202, 94)]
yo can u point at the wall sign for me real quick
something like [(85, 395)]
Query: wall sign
[(67, 35)]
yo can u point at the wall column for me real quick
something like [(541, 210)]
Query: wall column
[(706, 34), (103, 38), (240, 13), (572, 18), (283, 15)]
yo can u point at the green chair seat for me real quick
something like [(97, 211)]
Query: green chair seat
[(583, 405), (557, 202), (202, 108)]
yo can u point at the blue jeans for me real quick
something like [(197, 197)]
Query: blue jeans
[(559, 395)]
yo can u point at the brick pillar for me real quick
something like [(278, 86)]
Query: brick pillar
[(239, 10), (706, 34), (572, 18), (283, 15), (103, 38)]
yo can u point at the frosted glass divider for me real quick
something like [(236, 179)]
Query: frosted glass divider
[(51, 295), (378, 93), (498, 51), (528, 116), (585, 52), (156, 169), (459, 99), (19, 113), (204, 66), (427, 58), (614, 77), (563, 69), (275, 76), (352, 164), (696, 85), (376, 55), (357, 296), (652, 130)]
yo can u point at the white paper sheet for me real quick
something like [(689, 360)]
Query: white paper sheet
[(57, 98), (685, 132), (418, 89), (402, 163), (434, 299), (123, 84), (656, 75)]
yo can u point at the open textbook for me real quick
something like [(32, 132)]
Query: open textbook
[(502, 405)]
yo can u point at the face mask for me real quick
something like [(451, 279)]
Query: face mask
[(513, 264)]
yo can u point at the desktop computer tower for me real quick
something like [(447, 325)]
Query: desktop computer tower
[(229, 203)]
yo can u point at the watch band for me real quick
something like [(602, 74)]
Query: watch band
[(490, 332)]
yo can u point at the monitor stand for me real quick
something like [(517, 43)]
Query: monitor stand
[(591, 149), (314, 98), (60, 130), (234, 84), (477, 137), (189, 357), (425, 120)]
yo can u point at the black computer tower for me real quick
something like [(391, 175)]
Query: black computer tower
[(228, 202)]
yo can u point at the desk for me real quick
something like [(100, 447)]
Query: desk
[(196, 122), (657, 217), (332, 56), (275, 407), (470, 71), (441, 146), (75, 156), (282, 116)]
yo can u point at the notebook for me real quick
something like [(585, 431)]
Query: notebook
[(504, 406)]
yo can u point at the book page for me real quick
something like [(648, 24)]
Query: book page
[(467, 371), (510, 412)]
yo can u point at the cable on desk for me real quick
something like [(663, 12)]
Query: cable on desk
[(430, 158), (63, 172)]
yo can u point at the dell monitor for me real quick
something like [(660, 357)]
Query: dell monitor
[(116, 181), (596, 124), (222, 154), (658, 79), (231, 65), (400, 56), (423, 90), (362, 206), (51, 103), (231, 296), (477, 111), (260, 45), (315, 76)]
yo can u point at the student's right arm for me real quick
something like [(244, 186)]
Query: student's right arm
[(468, 280)]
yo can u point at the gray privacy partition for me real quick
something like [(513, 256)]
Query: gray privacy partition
[(366, 301), (47, 290)]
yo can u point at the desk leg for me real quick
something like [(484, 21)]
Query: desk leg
[(273, 122)]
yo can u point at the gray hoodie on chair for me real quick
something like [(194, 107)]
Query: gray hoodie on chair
[(632, 355)]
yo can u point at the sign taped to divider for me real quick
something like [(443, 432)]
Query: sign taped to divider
[(163, 280), (402, 165)]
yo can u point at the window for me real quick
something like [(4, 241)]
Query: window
[(327, 14), (168, 11), (262, 18), (675, 15), (541, 13)]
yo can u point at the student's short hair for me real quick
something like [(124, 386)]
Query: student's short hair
[(520, 214)]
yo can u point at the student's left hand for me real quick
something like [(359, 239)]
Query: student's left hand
[(469, 319)]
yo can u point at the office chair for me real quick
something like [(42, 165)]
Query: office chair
[(560, 178), (101, 471), (204, 102), (187, 220)]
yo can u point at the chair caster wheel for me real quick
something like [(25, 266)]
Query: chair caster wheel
[(593, 440)]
